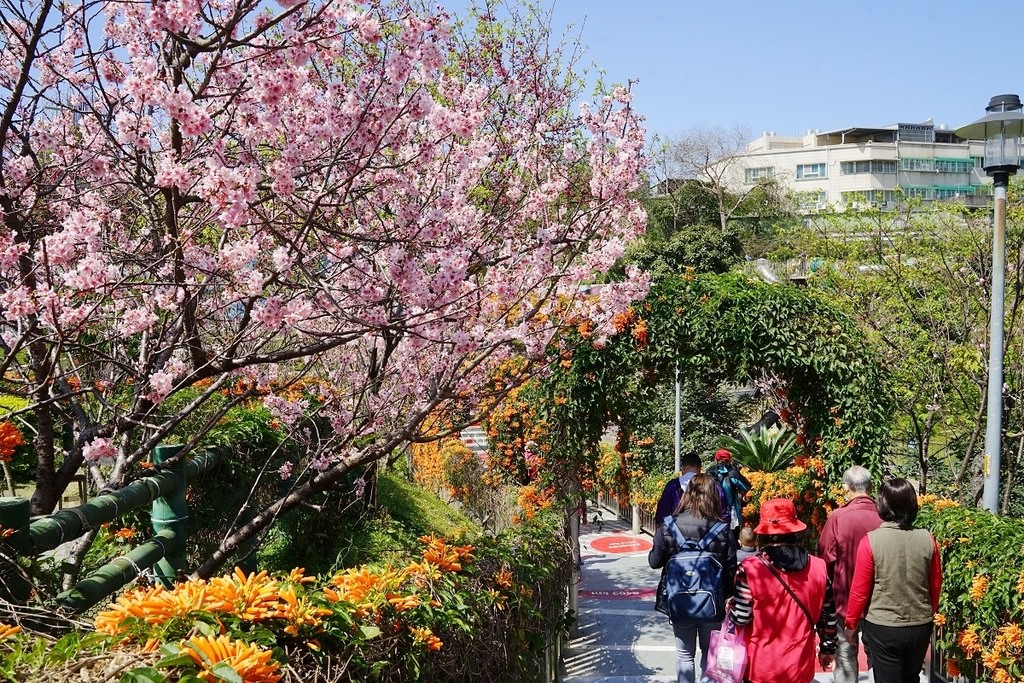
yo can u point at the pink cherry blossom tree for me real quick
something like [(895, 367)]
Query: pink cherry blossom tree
[(194, 193)]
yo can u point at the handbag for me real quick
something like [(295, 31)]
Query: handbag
[(727, 655), (661, 595)]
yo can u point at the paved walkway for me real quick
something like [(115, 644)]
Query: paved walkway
[(620, 638)]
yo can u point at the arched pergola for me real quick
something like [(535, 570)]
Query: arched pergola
[(728, 328)]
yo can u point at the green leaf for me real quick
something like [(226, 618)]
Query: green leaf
[(142, 675), (370, 632), (226, 672), (180, 659)]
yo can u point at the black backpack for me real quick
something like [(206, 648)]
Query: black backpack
[(695, 589)]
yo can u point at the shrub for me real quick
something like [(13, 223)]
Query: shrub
[(981, 611)]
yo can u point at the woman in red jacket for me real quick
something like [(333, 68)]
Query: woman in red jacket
[(784, 594), (896, 581)]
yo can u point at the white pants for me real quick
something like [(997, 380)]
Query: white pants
[(845, 670)]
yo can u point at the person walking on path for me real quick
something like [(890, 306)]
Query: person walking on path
[(698, 511), (896, 586), (689, 466), (840, 538), (783, 593), (748, 544), (734, 487)]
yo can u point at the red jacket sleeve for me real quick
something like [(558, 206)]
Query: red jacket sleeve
[(860, 586), (935, 577)]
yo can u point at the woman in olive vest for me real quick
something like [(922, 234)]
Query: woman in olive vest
[(895, 588)]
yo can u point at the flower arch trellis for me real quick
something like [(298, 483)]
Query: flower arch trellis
[(724, 328)]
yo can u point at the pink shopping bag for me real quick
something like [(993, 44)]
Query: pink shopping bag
[(727, 655)]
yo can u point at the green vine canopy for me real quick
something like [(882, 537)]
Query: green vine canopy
[(722, 329)]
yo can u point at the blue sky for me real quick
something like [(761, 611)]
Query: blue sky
[(790, 65)]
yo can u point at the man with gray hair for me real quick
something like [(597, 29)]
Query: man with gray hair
[(837, 545)]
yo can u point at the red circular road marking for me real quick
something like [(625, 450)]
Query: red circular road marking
[(620, 544)]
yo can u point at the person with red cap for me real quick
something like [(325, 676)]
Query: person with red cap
[(734, 488), (784, 595)]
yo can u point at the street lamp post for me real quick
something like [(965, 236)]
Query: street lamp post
[(1001, 129), (678, 433)]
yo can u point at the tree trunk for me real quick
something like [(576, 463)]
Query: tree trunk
[(1004, 508), (969, 452)]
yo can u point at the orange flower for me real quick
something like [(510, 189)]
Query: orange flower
[(8, 631), (978, 587), (252, 663), (125, 534), (952, 668), (10, 438), (939, 619), (425, 637), (504, 578), (969, 641)]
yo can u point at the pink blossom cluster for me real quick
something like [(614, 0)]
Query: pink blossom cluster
[(346, 190)]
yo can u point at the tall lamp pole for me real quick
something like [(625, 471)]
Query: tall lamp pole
[(678, 430), (1001, 129)]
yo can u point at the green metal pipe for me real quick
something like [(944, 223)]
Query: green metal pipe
[(14, 515), (49, 532), (170, 513), (119, 572)]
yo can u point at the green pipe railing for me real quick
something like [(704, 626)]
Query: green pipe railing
[(164, 491), (119, 572)]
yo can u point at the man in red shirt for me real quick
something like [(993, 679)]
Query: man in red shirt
[(838, 547)]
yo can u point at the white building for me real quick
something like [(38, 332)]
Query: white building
[(854, 166)]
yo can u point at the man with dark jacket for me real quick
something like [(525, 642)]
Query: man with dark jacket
[(689, 465), (837, 545)]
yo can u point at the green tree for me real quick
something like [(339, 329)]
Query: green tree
[(919, 283)]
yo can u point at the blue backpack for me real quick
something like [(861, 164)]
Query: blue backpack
[(695, 590)]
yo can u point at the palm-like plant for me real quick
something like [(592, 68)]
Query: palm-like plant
[(771, 450)]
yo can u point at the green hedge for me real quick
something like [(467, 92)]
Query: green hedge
[(981, 613)]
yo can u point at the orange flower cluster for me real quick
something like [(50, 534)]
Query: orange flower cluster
[(363, 588), (10, 438), (533, 499), (640, 333), (446, 557), (252, 597), (802, 483), (426, 638), (935, 502), (8, 631), (969, 640), (624, 320), (252, 663), (979, 584)]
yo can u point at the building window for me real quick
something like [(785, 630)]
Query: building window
[(909, 132), (911, 164), (868, 198), (955, 191), (919, 192), (807, 171), (812, 200), (872, 166), (761, 173), (953, 165)]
